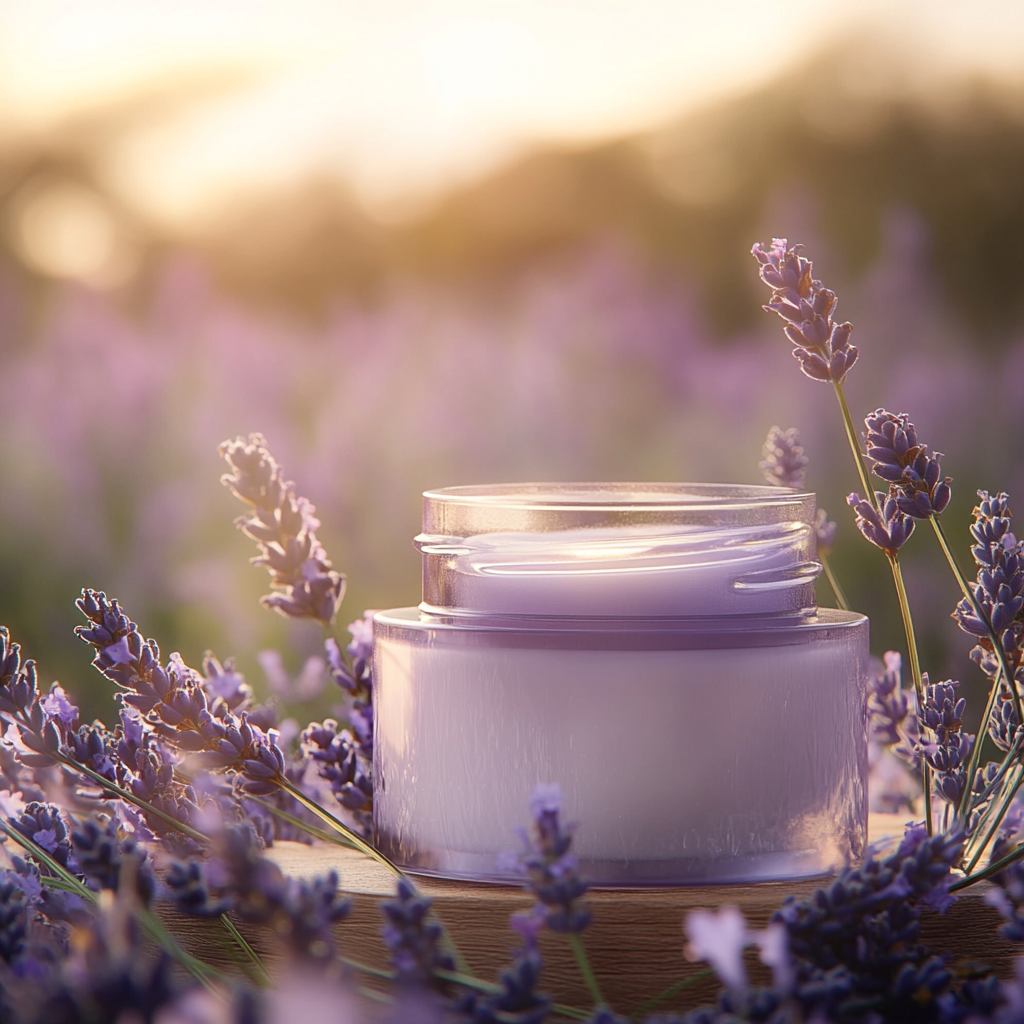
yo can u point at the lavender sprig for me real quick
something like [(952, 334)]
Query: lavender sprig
[(283, 526), (821, 346), (413, 940), (919, 488), (784, 464), (883, 524), (175, 703), (783, 461), (335, 753), (242, 880), (547, 861), (947, 754)]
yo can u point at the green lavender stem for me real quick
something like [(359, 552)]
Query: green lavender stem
[(994, 816), (851, 436), (263, 975), (585, 969), (672, 990), (901, 591), (367, 848), (826, 565), (992, 869), (915, 672), (124, 794), (317, 833)]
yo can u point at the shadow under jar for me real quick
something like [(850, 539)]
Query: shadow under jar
[(655, 649)]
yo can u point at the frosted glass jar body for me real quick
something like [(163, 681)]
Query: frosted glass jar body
[(686, 759)]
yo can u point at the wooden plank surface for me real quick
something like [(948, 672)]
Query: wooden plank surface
[(635, 941)]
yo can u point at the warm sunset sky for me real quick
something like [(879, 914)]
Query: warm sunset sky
[(403, 97)]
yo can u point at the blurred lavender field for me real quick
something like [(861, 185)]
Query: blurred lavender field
[(564, 320)]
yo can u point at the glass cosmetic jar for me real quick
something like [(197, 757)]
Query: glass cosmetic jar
[(655, 649)]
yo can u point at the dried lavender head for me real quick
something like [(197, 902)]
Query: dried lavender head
[(915, 475), (783, 461), (821, 346), (103, 858), (283, 525), (892, 720), (336, 756), (174, 701), (999, 588), (887, 528), (824, 531), (45, 826), (548, 864), (413, 941)]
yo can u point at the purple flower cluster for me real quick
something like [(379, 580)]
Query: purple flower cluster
[(892, 720), (821, 346), (177, 706), (784, 464), (886, 526), (782, 458), (336, 756), (549, 865), (283, 525), (413, 939), (915, 476), (242, 880), (949, 749), (999, 595), (354, 675)]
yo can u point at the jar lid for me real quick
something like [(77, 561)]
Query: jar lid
[(618, 549)]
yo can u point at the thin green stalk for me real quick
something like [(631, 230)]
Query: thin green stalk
[(317, 833), (124, 794), (833, 582), (340, 827), (678, 987), (375, 972), (851, 436), (367, 848), (996, 783), (996, 818), (915, 672), (993, 694), (585, 969), (263, 980), (988, 872), (1011, 683)]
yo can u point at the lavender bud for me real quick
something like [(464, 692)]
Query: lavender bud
[(888, 529), (783, 460)]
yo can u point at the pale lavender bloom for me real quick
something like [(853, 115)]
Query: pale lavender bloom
[(887, 528), (783, 460), (719, 938), (57, 705), (915, 476), (821, 346), (824, 531), (282, 525), (774, 945)]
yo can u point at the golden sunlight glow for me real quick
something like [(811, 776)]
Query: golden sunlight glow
[(403, 98)]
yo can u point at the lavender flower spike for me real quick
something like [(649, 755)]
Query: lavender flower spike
[(821, 346), (783, 460), (916, 476), (889, 529), (548, 863), (283, 525)]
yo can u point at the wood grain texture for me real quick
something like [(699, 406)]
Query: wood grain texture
[(635, 942)]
